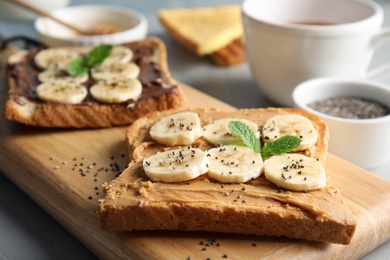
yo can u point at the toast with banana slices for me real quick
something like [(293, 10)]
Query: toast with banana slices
[(190, 171), (132, 81)]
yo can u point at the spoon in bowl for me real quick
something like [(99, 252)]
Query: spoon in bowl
[(92, 31)]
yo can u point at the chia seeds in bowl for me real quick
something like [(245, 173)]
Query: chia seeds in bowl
[(363, 141), (350, 107)]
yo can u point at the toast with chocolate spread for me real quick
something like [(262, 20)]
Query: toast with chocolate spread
[(42, 94), (149, 196)]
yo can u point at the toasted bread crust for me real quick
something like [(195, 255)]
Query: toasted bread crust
[(78, 116), (232, 54), (33, 112), (132, 202)]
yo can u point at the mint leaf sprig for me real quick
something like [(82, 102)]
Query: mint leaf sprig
[(246, 135), (280, 146), (81, 66)]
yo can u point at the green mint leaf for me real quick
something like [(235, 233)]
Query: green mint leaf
[(247, 136), (77, 67), (81, 66), (280, 146), (98, 54)]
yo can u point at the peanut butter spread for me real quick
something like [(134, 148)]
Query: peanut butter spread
[(132, 195), (257, 193)]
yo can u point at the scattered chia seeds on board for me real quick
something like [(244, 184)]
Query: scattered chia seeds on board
[(350, 107), (84, 169)]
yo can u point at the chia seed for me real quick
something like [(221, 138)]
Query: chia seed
[(350, 107)]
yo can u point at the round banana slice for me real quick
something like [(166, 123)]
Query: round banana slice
[(60, 75), (234, 164), (113, 71), (57, 58), (17, 57), (60, 92), (218, 131), (177, 129), (295, 172), (119, 55), (295, 125), (176, 165), (116, 91)]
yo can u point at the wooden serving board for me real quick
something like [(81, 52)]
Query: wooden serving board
[(63, 170)]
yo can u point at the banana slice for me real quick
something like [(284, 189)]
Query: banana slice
[(113, 71), (116, 91), (218, 131), (234, 164), (57, 58), (60, 75), (177, 129), (176, 165), (17, 57), (295, 172), (60, 92), (295, 125), (119, 55)]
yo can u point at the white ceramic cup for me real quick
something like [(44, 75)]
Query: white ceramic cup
[(364, 142), (283, 53)]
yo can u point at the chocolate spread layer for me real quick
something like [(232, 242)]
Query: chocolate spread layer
[(154, 81)]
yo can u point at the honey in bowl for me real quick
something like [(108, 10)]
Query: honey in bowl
[(97, 30), (101, 29)]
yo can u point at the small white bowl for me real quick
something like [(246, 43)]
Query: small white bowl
[(364, 142), (130, 25)]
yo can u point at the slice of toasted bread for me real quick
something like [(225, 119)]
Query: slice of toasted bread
[(133, 202), (159, 92), (232, 54), (203, 30)]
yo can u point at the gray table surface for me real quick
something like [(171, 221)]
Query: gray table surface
[(27, 232)]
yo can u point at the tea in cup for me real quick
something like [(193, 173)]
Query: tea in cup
[(291, 41)]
